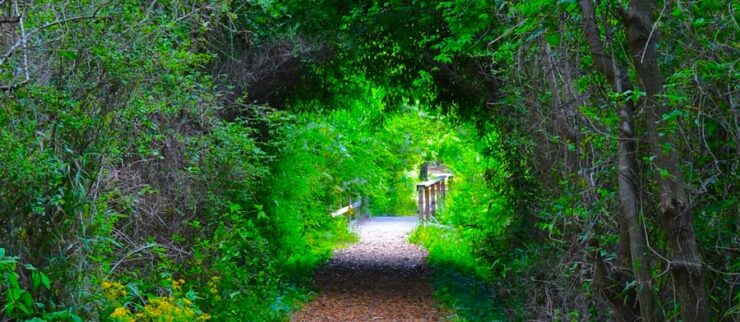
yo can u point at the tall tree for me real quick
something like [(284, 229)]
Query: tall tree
[(629, 199), (675, 213)]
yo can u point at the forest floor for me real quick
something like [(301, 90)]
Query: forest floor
[(380, 278)]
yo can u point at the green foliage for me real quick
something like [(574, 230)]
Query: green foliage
[(460, 278), (23, 302), (448, 249), (344, 154), (469, 249), (133, 151), (472, 299), (118, 168)]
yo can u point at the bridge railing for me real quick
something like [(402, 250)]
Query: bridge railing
[(347, 209), (431, 195), (353, 211)]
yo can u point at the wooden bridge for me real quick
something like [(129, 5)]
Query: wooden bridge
[(431, 195)]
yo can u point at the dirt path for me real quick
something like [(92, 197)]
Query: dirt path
[(381, 278)]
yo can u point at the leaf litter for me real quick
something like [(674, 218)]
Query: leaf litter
[(381, 278)]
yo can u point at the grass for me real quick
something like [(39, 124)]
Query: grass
[(458, 278)]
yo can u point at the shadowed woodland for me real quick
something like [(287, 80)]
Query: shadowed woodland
[(178, 160)]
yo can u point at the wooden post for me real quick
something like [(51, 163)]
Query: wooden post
[(351, 211), (438, 200), (426, 203), (444, 190), (431, 196), (440, 194), (420, 205), (433, 205)]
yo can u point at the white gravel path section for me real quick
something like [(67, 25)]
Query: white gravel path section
[(380, 278)]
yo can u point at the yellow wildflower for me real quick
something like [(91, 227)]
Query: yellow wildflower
[(176, 284), (168, 309), (121, 314), (113, 290), (213, 285)]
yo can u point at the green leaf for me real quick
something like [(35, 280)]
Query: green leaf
[(635, 95), (583, 84), (35, 279), (666, 147), (36, 320), (45, 280), (68, 54), (443, 58), (195, 224), (14, 294), (75, 317), (553, 39), (27, 300), (9, 307), (710, 126), (672, 115), (664, 173), (12, 280)]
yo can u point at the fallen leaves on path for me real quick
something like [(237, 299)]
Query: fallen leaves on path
[(381, 278)]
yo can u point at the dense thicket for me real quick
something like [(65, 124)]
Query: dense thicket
[(178, 159), (142, 180)]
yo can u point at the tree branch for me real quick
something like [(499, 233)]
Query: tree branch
[(19, 43)]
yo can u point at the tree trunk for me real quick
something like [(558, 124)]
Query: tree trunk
[(628, 183), (675, 215)]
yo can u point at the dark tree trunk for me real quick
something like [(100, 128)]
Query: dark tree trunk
[(675, 215), (628, 184)]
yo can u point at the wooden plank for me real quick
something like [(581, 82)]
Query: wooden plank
[(427, 202), (435, 174), (344, 210), (432, 181), (432, 194), (433, 197)]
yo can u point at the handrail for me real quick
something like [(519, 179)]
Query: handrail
[(346, 209), (430, 182), (431, 195)]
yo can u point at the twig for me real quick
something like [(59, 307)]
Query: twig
[(8, 88), (21, 42), (650, 36), (145, 247), (508, 31)]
